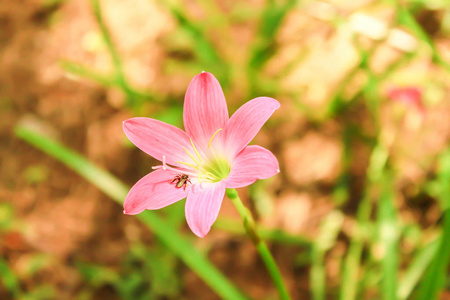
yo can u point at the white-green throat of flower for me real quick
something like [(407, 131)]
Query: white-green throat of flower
[(212, 169)]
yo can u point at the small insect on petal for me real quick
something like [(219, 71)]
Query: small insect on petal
[(180, 180)]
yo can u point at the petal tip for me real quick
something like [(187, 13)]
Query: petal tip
[(128, 212), (201, 234), (276, 104), (205, 75), (273, 103), (278, 171), (125, 124)]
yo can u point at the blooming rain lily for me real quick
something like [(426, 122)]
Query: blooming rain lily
[(200, 163)]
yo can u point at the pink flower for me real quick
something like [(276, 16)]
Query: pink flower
[(200, 163), (409, 95)]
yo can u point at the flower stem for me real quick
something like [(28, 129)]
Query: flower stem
[(261, 246)]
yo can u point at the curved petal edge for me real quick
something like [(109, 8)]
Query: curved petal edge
[(153, 191), (203, 206), (251, 164), (245, 123), (158, 139)]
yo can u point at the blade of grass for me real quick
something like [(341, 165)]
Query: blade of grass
[(271, 20), (205, 51), (264, 44), (405, 18), (84, 72), (105, 80), (416, 269), (329, 230), (216, 17), (115, 189), (118, 79), (388, 234), (119, 74), (117, 61), (115, 56), (436, 275), (349, 284)]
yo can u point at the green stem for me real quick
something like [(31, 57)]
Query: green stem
[(261, 246), (272, 235), (119, 74)]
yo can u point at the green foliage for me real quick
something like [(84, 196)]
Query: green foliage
[(9, 279), (145, 274), (270, 21), (326, 239), (436, 276)]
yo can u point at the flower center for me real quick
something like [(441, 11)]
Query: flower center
[(212, 169), (217, 169)]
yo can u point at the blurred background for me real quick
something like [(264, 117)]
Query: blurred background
[(360, 209)]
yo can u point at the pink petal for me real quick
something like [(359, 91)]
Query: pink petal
[(202, 207), (205, 108), (153, 191), (411, 96), (252, 163), (158, 139), (245, 124)]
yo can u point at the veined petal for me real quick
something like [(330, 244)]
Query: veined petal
[(245, 124), (153, 191), (252, 163), (205, 109), (158, 139), (202, 207)]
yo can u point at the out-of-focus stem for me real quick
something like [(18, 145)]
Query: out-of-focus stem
[(261, 246)]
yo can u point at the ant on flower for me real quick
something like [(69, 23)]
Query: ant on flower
[(181, 179)]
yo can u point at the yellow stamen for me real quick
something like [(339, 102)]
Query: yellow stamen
[(210, 141), (195, 149), (187, 164), (193, 158)]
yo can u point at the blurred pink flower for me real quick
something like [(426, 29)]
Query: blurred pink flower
[(201, 162), (410, 95)]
